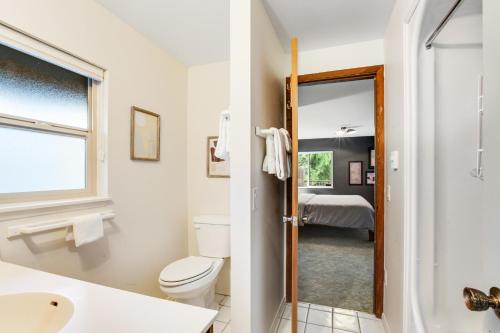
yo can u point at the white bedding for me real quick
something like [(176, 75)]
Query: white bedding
[(348, 211)]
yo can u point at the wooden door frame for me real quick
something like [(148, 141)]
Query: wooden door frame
[(352, 74)]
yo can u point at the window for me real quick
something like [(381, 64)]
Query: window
[(47, 122), (316, 169)]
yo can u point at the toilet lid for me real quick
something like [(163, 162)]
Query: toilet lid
[(186, 269)]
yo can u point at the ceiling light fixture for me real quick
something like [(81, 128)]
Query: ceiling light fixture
[(343, 131)]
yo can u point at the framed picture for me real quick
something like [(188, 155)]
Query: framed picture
[(216, 167), (355, 173), (144, 135), (371, 158), (370, 177)]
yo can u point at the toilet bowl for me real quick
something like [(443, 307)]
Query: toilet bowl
[(192, 280)]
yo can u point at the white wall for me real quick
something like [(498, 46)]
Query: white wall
[(490, 225), (342, 57), (149, 197), (257, 83), (324, 108), (208, 95), (394, 123)]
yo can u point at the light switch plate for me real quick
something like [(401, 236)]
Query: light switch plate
[(254, 198), (394, 160)]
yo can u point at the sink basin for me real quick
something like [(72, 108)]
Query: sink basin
[(34, 312)]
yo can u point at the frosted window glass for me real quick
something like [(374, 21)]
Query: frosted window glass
[(33, 161), (33, 88)]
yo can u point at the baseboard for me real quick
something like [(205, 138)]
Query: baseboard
[(277, 316), (386, 324)]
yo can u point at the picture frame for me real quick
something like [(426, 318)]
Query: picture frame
[(144, 135), (216, 167), (371, 158), (370, 177), (355, 173)]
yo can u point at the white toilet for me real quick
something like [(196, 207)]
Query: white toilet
[(192, 280)]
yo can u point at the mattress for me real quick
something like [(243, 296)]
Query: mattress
[(347, 211)]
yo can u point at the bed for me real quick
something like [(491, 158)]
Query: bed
[(347, 211)]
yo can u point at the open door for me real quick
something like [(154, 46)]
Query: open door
[(293, 108)]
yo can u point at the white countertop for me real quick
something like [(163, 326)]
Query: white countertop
[(103, 309)]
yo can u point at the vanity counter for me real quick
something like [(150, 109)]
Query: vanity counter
[(103, 309)]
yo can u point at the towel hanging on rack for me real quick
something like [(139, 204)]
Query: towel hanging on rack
[(223, 144), (278, 146)]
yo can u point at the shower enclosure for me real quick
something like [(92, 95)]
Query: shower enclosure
[(454, 179)]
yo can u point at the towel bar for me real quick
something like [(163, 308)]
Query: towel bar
[(32, 228), (263, 133)]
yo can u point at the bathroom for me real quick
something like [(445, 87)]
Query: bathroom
[(189, 62)]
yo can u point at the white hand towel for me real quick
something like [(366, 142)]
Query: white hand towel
[(288, 146), (280, 144), (269, 164), (86, 229), (222, 149)]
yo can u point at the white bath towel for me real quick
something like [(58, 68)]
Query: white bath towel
[(222, 150), (269, 164), (282, 145), (86, 229)]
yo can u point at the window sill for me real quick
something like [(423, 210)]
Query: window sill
[(315, 187), (35, 208)]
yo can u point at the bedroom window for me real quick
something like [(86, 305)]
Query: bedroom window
[(47, 136), (316, 169)]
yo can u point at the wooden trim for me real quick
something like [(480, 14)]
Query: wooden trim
[(211, 329), (378, 301), (294, 104), (288, 258), (353, 74)]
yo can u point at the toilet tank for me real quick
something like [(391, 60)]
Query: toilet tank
[(212, 235)]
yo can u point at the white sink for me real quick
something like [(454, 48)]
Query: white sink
[(34, 312)]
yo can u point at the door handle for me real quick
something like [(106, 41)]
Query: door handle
[(476, 300), (292, 219)]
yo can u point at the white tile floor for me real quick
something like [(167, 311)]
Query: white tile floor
[(323, 319), (223, 320)]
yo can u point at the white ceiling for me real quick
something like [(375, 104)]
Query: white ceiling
[(197, 31), (324, 108), (193, 31), (324, 23)]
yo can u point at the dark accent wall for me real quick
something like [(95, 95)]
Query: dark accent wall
[(344, 150)]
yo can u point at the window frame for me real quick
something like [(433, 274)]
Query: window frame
[(90, 134), (331, 178)]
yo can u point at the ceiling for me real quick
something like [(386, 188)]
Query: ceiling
[(197, 31), (193, 31), (324, 23), (324, 108)]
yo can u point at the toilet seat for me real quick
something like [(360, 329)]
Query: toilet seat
[(185, 271)]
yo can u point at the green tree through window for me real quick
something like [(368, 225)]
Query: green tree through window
[(316, 169)]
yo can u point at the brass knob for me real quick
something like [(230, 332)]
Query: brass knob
[(476, 300)]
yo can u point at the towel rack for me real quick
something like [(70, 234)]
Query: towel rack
[(263, 133), (32, 228)]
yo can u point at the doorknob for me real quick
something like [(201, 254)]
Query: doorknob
[(476, 300), (292, 219)]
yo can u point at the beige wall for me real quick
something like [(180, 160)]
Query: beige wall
[(257, 81), (149, 197), (208, 95), (394, 109), (268, 66)]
